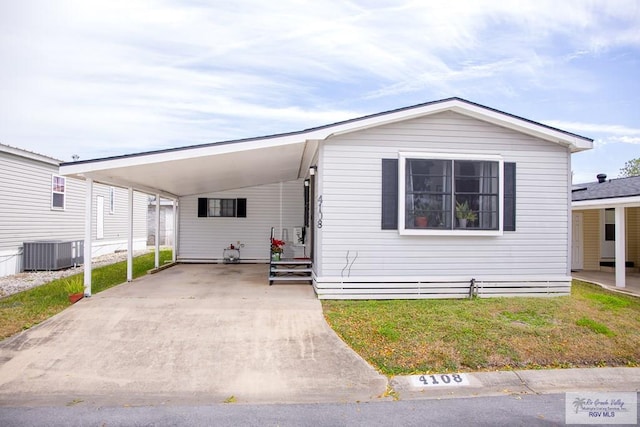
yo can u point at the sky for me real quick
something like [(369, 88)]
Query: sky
[(103, 78)]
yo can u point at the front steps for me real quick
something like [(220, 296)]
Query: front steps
[(290, 270)]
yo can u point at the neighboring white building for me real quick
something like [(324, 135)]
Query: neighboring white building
[(39, 204), (375, 198), (167, 222)]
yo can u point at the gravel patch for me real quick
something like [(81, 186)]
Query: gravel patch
[(10, 285)]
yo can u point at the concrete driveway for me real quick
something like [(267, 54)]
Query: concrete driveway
[(190, 334)]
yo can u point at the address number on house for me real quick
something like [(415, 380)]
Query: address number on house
[(439, 380)]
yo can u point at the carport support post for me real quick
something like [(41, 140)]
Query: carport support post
[(175, 231), (174, 244), (621, 245), (88, 214), (130, 238), (157, 231)]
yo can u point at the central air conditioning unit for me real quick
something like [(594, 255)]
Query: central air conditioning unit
[(47, 255)]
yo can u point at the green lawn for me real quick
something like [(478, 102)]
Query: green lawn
[(592, 327), (25, 309)]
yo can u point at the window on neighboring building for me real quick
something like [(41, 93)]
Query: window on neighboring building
[(610, 225), (213, 207), (58, 187)]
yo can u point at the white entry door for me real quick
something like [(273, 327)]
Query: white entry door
[(608, 235), (577, 247)]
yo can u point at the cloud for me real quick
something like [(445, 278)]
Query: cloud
[(605, 133), (594, 127), (113, 75)]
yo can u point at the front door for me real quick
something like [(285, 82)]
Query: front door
[(311, 217), (608, 235), (577, 248)]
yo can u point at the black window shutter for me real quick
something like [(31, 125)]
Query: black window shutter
[(509, 220), (202, 207), (241, 208), (389, 194)]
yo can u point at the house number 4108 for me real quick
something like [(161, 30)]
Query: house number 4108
[(440, 380)]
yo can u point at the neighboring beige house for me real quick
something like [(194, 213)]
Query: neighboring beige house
[(606, 226), (40, 205)]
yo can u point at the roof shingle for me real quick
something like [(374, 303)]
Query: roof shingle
[(611, 188)]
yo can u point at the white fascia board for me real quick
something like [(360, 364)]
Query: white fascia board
[(388, 118), (484, 114), (29, 155), (530, 128), (627, 202), (179, 154)]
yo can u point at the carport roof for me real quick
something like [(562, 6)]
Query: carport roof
[(270, 159)]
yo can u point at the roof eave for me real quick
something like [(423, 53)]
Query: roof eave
[(610, 202)]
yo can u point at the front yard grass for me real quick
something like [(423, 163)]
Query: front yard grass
[(591, 327), (28, 308)]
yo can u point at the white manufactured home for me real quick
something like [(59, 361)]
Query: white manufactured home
[(40, 205), (438, 200)]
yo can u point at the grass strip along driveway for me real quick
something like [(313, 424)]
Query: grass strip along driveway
[(28, 308), (591, 327)]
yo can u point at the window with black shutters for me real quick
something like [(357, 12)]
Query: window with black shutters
[(436, 190), (214, 207)]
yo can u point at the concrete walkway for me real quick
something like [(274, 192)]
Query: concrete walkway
[(608, 280), (193, 334)]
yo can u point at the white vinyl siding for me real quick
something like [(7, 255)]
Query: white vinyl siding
[(273, 205), (351, 192), (25, 191), (26, 214)]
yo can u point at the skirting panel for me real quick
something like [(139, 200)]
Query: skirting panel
[(440, 290)]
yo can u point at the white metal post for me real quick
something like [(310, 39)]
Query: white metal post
[(130, 238), (175, 231), (157, 248), (88, 216), (621, 245)]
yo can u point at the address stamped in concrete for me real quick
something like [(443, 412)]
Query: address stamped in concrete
[(439, 380)]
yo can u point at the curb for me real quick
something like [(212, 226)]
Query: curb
[(502, 383)]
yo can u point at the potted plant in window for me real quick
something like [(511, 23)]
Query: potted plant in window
[(276, 249), (74, 288), (420, 214), (464, 214)]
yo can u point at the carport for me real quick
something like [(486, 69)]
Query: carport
[(175, 173)]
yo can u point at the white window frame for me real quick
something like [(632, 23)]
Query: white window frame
[(221, 200), (402, 161), (63, 192), (112, 200)]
